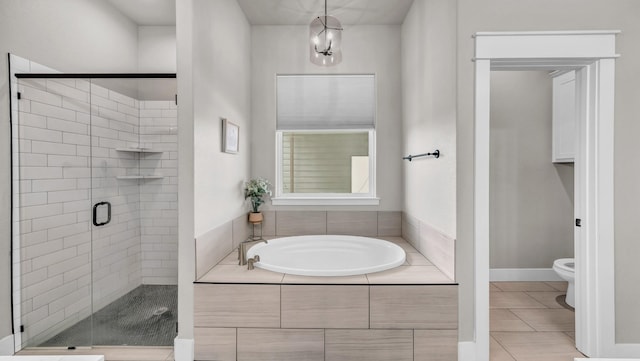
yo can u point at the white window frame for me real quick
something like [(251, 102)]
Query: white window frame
[(327, 199)]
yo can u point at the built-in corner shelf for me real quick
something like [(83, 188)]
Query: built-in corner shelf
[(138, 150), (150, 176)]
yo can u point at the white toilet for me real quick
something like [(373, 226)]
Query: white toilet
[(565, 268)]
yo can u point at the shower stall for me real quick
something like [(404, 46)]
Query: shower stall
[(95, 217)]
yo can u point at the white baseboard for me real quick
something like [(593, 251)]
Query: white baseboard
[(623, 351), (183, 349), (467, 351), (6, 346), (523, 274)]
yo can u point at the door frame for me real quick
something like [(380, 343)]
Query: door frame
[(592, 55)]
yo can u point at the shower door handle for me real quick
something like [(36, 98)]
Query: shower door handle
[(95, 213)]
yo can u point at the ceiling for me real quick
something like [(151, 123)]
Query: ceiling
[(349, 12), (148, 12), (278, 12)]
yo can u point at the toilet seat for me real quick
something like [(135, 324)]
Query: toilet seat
[(565, 268), (565, 264)]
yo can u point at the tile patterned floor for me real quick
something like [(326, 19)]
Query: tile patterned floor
[(529, 322)]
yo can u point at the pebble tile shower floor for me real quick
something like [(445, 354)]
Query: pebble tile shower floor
[(146, 316)]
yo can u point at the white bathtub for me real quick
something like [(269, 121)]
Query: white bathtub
[(327, 255)]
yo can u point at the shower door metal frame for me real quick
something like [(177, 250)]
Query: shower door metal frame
[(16, 288)]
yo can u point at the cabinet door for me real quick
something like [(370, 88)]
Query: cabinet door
[(564, 118)]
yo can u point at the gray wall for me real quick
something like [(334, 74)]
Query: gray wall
[(221, 89), (73, 35), (505, 15), (157, 49), (186, 226), (362, 56), (531, 198), (213, 82), (429, 113)]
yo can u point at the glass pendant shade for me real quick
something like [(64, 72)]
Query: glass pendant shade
[(325, 41)]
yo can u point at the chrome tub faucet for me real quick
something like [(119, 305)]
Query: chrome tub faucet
[(244, 247), (251, 261)]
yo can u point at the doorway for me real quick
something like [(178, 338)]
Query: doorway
[(592, 55), (531, 202)]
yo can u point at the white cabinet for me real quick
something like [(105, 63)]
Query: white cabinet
[(564, 117)]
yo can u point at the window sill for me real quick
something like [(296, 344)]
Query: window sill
[(325, 201)]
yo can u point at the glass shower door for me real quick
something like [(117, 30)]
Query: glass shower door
[(52, 186), (115, 207), (134, 295), (95, 210)]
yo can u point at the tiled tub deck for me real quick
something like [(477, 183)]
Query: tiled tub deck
[(407, 313)]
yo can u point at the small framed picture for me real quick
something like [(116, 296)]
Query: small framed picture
[(230, 136)]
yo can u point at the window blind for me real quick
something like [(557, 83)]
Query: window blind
[(325, 102), (321, 163)]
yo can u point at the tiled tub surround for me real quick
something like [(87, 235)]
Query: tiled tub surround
[(214, 245), (435, 245), (407, 313), (68, 131)]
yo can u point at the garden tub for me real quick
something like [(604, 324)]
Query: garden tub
[(327, 255)]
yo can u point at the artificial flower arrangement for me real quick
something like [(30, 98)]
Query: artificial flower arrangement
[(256, 189)]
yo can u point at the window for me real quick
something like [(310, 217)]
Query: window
[(325, 138)]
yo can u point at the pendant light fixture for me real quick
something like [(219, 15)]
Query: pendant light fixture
[(325, 40)]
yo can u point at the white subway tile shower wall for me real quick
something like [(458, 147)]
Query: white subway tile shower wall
[(159, 197), (62, 122), (116, 256)]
